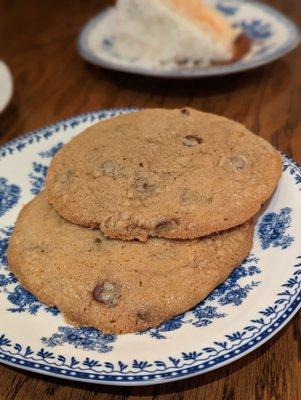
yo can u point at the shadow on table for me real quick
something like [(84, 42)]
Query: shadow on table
[(155, 390), (197, 87), (7, 118)]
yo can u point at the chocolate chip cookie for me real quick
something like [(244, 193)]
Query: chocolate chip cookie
[(164, 173), (113, 285)]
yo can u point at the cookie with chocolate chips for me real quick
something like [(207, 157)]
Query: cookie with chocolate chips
[(175, 174), (113, 285)]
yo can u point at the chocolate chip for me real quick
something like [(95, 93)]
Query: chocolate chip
[(192, 140), (140, 164), (111, 168), (142, 316), (237, 163), (143, 188), (166, 224), (185, 111), (98, 240), (107, 293)]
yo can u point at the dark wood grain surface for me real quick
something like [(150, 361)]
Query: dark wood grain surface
[(37, 40)]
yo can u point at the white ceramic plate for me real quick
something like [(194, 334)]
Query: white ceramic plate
[(257, 300), (273, 35), (6, 86)]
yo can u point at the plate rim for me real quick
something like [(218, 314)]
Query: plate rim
[(237, 67), (151, 380)]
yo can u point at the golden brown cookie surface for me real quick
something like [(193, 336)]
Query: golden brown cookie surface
[(167, 173), (113, 285)]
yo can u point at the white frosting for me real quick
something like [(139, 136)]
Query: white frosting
[(146, 32)]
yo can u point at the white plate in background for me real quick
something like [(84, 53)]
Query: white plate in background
[(6, 86), (273, 35)]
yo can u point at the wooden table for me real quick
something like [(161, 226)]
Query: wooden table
[(37, 40)]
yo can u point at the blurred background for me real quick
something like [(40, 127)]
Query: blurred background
[(51, 81)]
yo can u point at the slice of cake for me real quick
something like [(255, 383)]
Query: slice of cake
[(164, 32)]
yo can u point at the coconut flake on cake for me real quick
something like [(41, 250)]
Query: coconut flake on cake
[(171, 32)]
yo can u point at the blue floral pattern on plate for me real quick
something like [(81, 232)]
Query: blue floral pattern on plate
[(84, 338), (9, 195), (256, 29), (293, 169), (227, 9), (272, 229), (253, 302), (39, 170)]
